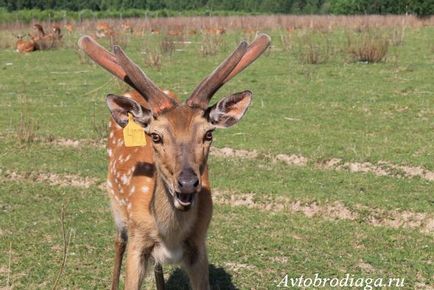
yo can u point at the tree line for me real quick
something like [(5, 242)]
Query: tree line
[(348, 7)]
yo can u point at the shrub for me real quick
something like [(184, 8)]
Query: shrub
[(211, 44), (313, 47), (153, 58), (367, 47)]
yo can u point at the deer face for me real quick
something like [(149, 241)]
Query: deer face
[(181, 139)]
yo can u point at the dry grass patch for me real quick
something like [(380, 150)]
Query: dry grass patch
[(368, 46)]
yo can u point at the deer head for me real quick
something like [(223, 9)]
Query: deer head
[(39, 30), (181, 133)]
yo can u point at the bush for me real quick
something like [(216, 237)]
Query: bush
[(368, 47), (313, 47)]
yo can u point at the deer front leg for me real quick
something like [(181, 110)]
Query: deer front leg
[(159, 278), (137, 261), (195, 263), (120, 244)]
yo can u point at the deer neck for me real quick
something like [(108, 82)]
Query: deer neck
[(171, 222)]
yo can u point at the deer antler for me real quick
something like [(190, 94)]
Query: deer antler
[(234, 64), (158, 100), (123, 68)]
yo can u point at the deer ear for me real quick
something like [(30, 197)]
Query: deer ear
[(229, 110), (120, 107)]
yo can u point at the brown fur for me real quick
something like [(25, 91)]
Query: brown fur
[(144, 209), (69, 27), (24, 46), (103, 29), (42, 40)]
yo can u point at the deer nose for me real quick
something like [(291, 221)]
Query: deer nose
[(188, 181)]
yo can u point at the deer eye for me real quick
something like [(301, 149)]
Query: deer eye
[(156, 138), (208, 136)]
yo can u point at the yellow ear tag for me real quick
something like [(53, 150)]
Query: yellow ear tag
[(134, 135)]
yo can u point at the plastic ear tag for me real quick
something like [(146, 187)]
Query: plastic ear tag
[(134, 135)]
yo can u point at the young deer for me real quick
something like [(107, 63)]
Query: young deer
[(160, 192)]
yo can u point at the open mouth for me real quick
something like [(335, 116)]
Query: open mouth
[(184, 199)]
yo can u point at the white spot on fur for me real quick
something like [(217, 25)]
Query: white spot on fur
[(111, 134), (110, 153), (124, 179), (145, 188), (109, 184), (132, 190)]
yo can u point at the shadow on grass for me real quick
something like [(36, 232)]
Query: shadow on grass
[(218, 278)]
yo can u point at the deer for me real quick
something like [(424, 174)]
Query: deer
[(215, 31), (69, 27), (127, 27), (44, 40), (38, 31), (23, 46), (103, 29), (160, 190), (56, 32)]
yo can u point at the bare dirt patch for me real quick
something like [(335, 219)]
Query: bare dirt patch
[(333, 211), (366, 267), (75, 143), (410, 171), (226, 152), (50, 178), (382, 168), (402, 219), (293, 159), (235, 267)]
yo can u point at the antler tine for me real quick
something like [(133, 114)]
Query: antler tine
[(255, 49), (207, 88), (158, 100), (104, 58), (123, 68)]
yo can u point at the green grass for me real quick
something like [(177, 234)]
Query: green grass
[(349, 110), (357, 112), (283, 244)]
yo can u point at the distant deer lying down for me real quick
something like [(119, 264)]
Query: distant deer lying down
[(160, 192), (24, 45)]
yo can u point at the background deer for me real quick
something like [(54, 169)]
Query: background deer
[(42, 40), (160, 192), (103, 29), (24, 45)]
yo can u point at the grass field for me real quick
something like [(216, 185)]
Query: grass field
[(332, 169)]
